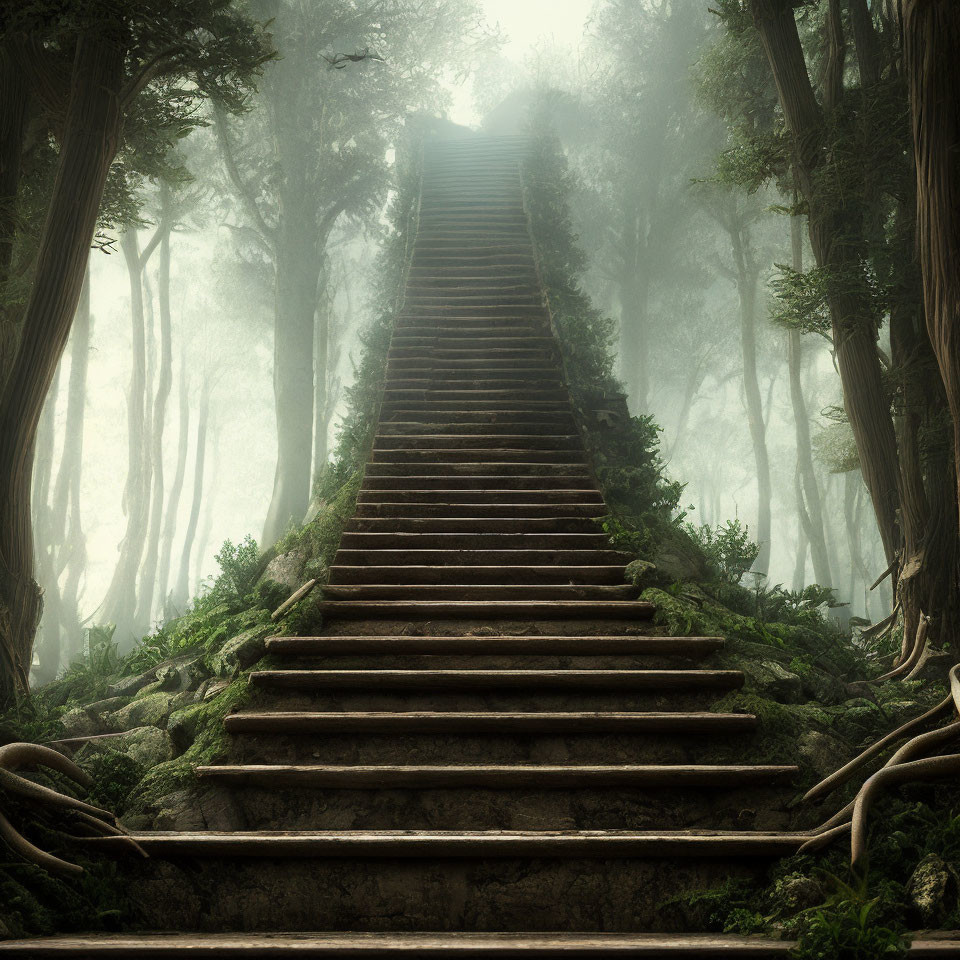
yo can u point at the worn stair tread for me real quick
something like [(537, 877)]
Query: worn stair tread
[(391, 679), (487, 609), (693, 647), (497, 776), (455, 574), (432, 844), (546, 722), (480, 591)]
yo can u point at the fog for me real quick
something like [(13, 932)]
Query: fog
[(569, 56)]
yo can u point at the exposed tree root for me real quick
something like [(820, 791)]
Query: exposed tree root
[(907, 764), (94, 819), (910, 660)]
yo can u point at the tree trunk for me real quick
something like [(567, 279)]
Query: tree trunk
[(176, 489), (851, 515), (931, 39), (13, 116), (71, 558), (148, 572), (181, 591), (120, 601), (748, 275), (808, 491), (293, 384), (91, 134), (832, 224)]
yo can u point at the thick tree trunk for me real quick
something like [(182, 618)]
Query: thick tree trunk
[(71, 559), (931, 39), (91, 134), (119, 604), (13, 116), (176, 489), (181, 592), (831, 225), (148, 572)]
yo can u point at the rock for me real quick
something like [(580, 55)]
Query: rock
[(179, 811), (823, 688), (861, 690), (242, 651), (183, 674), (128, 686), (152, 709), (287, 570), (639, 570), (147, 745), (215, 688), (79, 723), (822, 752), (774, 681), (933, 889), (797, 892), (182, 727), (100, 707)]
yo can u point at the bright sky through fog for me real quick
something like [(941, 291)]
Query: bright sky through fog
[(524, 22)]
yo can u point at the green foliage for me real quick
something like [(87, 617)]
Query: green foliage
[(847, 927), (727, 547), (114, 777), (239, 568)]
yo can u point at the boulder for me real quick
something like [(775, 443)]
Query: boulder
[(147, 745), (822, 687), (774, 681), (128, 686), (100, 707), (182, 674), (822, 752), (933, 889), (78, 723), (797, 892), (150, 710), (638, 571), (286, 570), (242, 651)]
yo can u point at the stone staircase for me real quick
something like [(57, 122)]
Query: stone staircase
[(491, 748)]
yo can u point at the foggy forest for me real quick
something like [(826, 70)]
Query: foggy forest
[(480, 476)]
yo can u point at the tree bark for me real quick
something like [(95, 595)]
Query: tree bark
[(931, 39), (91, 135), (13, 117), (834, 231)]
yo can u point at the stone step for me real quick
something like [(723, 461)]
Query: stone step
[(492, 557), (472, 591), (392, 844), (513, 524), (435, 441), (575, 496), (404, 946), (479, 480), (695, 648), (451, 574), (477, 679), (531, 369), (481, 511), (496, 777), (430, 328), (569, 466), (484, 423), (474, 541), (435, 455), (466, 395), (483, 609)]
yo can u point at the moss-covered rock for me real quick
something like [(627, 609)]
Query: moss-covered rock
[(151, 709), (241, 652)]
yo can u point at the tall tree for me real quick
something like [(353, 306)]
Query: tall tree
[(104, 75)]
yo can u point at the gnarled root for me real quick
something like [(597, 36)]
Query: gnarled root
[(910, 660), (907, 764), (15, 755)]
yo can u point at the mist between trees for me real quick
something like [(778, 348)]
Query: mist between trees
[(768, 302)]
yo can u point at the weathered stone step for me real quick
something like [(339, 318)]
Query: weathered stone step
[(484, 511), (471, 525), (439, 467), (410, 946), (541, 723), (478, 480), (451, 574), (447, 260), (483, 609), (479, 278), (428, 386), (467, 395), (572, 495), (502, 454), (474, 354), (464, 308), (691, 647), (430, 328), (474, 541), (483, 422), (530, 441), (502, 777), (477, 679), (483, 591)]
